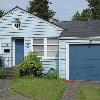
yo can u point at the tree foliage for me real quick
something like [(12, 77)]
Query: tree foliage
[(94, 6), (1, 13), (40, 8), (90, 13)]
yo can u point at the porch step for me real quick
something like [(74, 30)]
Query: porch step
[(9, 72)]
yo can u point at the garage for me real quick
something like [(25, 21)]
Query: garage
[(84, 62)]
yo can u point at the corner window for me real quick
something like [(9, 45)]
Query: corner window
[(16, 24)]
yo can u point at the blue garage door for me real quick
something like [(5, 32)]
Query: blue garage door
[(19, 50), (84, 62)]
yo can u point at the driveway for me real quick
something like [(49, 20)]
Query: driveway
[(70, 93), (7, 94)]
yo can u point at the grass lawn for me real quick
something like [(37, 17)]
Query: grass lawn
[(39, 89), (89, 93)]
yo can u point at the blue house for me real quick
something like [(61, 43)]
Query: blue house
[(71, 47)]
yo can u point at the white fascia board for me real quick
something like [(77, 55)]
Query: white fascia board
[(78, 38), (62, 38)]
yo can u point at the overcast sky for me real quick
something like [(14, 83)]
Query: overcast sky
[(64, 9)]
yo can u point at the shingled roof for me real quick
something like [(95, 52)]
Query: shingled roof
[(80, 29)]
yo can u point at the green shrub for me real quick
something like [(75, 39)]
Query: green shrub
[(2, 73), (52, 74), (31, 65), (16, 74), (31, 76)]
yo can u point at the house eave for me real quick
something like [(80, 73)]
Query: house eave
[(80, 38)]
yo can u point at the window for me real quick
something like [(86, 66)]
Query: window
[(38, 46), (46, 47), (16, 24), (52, 47), (6, 50), (52, 41), (38, 41)]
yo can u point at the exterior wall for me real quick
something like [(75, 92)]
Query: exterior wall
[(50, 63), (31, 27), (62, 58), (27, 45), (6, 44)]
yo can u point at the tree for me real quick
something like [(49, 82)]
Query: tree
[(84, 16), (1, 13), (94, 6), (40, 8), (90, 13), (77, 16)]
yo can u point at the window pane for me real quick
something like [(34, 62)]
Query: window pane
[(52, 54), (38, 48), (38, 41), (52, 41), (40, 53), (52, 47)]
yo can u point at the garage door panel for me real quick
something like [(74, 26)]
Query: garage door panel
[(84, 62), (78, 76)]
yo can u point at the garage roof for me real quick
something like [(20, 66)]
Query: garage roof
[(80, 29)]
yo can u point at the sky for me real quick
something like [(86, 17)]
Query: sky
[(64, 9)]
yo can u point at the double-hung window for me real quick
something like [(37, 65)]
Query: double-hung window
[(46, 47), (52, 47), (38, 46)]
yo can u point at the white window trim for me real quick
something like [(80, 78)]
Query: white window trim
[(32, 44), (0, 46), (13, 52), (45, 47)]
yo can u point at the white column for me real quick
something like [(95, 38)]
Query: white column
[(31, 44), (67, 62), (0, 45), (13, 52)]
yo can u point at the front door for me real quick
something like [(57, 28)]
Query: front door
[(19, 50)]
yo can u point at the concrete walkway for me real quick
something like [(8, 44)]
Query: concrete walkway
[(7, 94), (70, 93)]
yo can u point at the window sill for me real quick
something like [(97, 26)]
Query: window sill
[(37, 44), (50, 57)]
